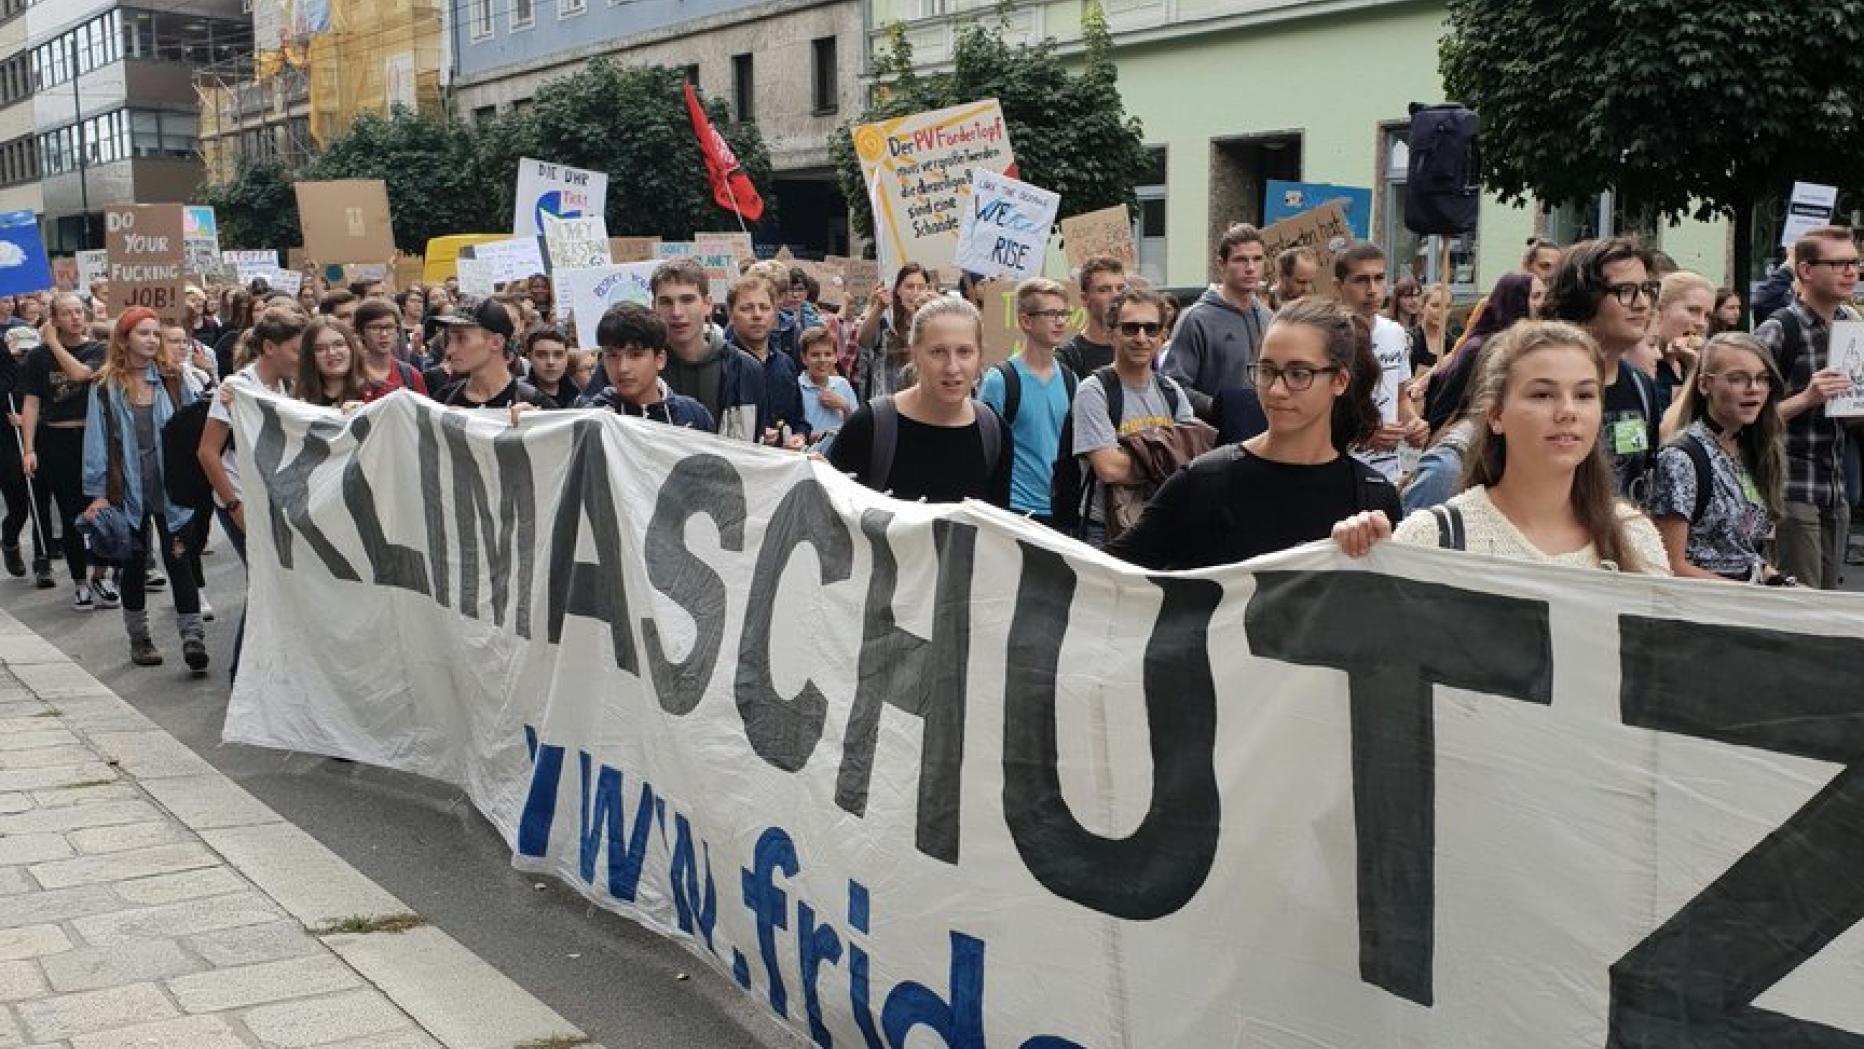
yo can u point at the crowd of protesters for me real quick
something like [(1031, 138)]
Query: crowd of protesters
[(1598, 408)]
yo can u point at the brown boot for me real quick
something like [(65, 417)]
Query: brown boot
[(142, 652)]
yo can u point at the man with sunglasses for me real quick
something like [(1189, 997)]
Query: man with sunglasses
[(1605, 286), (1811, 536)]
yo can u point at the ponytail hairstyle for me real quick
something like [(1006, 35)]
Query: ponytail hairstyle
[(1348, 342), (1595, 488), (1762, 444)]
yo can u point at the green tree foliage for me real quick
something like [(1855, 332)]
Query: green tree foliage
[(1682, 107), (256, 208), (437, 183), (1069, 131), (631, 122)]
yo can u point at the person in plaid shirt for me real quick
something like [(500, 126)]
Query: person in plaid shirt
[(1811, 536)]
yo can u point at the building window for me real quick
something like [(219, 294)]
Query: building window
[(826, 94), (571, 8), (484, 115), (1572, 223), (692, 75), (523, 13), (481, 19), (742, 94), (1408, 252), (1149, 224)]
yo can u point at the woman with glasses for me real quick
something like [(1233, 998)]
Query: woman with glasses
[(1407, 302), (1315, 375), (1717, 491), (330, 372)]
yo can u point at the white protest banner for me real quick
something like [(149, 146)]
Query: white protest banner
[(948, 776), (590, 292), (476, 276), (575, 243), (721, 266), (1006, 227), (507, 260), (250, 265), (1807, 209), (1846, 356), (555, 189), (93, 266), (918, 171)]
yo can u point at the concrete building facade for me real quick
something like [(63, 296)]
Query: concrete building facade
[(792, 66)]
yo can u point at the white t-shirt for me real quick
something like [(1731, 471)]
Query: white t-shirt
[(1392, 347), (216, 409)]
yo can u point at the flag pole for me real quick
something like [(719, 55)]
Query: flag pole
[(742, 228)]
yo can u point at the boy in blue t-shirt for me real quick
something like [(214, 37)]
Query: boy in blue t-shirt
[(1034, 394), (828, 399)]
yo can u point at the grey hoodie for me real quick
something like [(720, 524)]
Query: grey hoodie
[(1211, 344), (727, 382)]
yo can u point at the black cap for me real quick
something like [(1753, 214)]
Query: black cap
[(490, 314)]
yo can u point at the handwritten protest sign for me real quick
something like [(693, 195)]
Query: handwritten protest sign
[(23, 264), (1006, 227), (1284, 200), (248, 265), (1108, 231), (721, 267), (575, 243), (476, 276), (1037, 797), (861, 277), (830, 290), (285, 282), (201, 235), (632, 249), (93, 266), (1323, 230), (345, 221), (508, 260), (591, 291), (148, 257), (545, 188), (1003, 336), (918, 170), (1847, 358), (65, 273)]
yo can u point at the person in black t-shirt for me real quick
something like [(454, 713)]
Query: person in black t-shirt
[(55, 379), (1102, 280), (1315, 376), (929, 441), (476, 346), (1605, 287)]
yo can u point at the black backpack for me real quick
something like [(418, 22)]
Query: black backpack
[(886, 439), (182, 476), (1443, 187), (1013, 388), (1072, 482)]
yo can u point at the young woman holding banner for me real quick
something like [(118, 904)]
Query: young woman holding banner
[(330, 364), (1538, 485)]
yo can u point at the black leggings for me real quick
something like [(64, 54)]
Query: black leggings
[(135, 572), (61, 474)]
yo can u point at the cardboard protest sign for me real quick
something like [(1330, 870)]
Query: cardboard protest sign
[(918, 170), (1006, 227), (23, 265), (721, 267), (861, 276), (1070, 802), (1284, 200), (409, 270), (632, 249), (1003, 336), (345, 221), (1323, 230), (590, 292), (1846, 355), (201, 234), (1108, 231), (555, 189), (65, 273), (93, 266), (366, 273), (575, 243), (828, 280), (148, 258), (505, 261)]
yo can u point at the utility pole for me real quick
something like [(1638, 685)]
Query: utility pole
[(77, 112)]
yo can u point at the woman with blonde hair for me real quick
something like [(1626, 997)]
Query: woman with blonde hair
[(1684, 308), (1718, 488), (131, 400), (1537, 484)]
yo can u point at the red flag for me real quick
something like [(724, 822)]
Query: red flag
[(731, 187)]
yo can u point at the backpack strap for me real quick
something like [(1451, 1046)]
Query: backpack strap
[(1450, 533), (990, 430), (1170, 389), (886, 439), (1705, 474), (1116, 394), (1012, 391)]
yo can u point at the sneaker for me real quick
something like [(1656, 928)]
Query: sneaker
[(42, 575), (107, 596), (142, 652), (194, 653), (83, 601), (155, 580), (15, 564), (207, 610)]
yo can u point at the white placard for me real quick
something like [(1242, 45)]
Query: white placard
[(251, 264), (93, 266), (285, 282), (721, 266), (1807, 209), (476, 276), (556, 189), (918, 168), (1847, 355), (591, 291), (508, 260), (1006, 227), (572, 244)]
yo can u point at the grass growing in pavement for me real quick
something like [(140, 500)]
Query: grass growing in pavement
[(561, 1041), (382, 923), (52, 712), (87, 783)]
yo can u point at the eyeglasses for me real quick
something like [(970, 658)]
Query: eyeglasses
[(1296, 377), (1837, 265), (1627, 294), (382, 329), (1134, 329), (1047, 315), (330, 349), (1744, 380)]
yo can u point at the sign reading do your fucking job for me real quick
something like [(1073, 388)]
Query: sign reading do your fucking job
[(922, 776)]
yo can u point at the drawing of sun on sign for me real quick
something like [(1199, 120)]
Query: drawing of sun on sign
[(918, 178)]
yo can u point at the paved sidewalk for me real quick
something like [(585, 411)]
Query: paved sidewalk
[(147, 901)]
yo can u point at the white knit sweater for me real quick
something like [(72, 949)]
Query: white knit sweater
[(1490, 532)]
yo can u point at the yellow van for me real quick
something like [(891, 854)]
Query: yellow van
[(443, 253)]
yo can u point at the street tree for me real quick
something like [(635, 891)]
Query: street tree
[(433, 166), (255, 208), (1069, 130), (1681, 107)]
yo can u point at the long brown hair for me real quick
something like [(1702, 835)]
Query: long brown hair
[(1595, 489), (310, 387), (1348, 340), (1762, 444)]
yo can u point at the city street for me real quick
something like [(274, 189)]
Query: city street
[(420, 840)]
